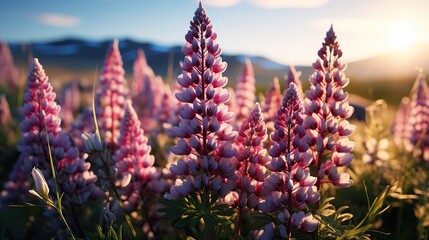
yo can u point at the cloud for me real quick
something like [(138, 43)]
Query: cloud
[(58, 20), (269, 4)]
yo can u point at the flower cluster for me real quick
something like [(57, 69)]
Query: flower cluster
[(418, 122), (245, 92), (70, 103), (133, 158), (204, 131), (9, 74), (273, 101), (290, 187), (41, 122), (399, 125), (327, 109), (110, 97), (293, 77)]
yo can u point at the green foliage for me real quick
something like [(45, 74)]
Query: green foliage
[(336, 223), (108, 233), (200, 215)]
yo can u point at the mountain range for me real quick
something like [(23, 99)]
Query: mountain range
[(73, 58)]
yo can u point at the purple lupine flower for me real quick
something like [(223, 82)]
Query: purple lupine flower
[(290, 187), (273, 101), (165, 112), (6, 121), (245, 92), (147, 88), (417, 128), (293, 76), (327, 111), (70, 104), (204, 131), (83, 123), (400, 123), (251, 161), (40, 116), (110, 97), (9, 74), (133, 157)]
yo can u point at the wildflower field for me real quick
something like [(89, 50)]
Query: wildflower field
[(201, 159)]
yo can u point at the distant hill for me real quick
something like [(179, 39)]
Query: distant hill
[(71, 58)]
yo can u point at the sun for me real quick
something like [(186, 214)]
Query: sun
[(401, 35)]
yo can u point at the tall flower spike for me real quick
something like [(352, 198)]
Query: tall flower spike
[(273, 101), (70, 104), (7, 135), (290, 187), (251, 161), (245, 92), (40, 114), (146, 92), (110, 97), (327, 111), (133, 158), (400, 123), (418, 125), (204, 131), (9, 74), (293, 76)]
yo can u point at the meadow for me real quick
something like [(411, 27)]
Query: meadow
[(133, 156)]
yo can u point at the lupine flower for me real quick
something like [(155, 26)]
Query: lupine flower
[(290, 187), (245, 92), (40, 116), (400, 123), (293, 76), (166, 110), (6, 121), (134, 158), (9, 74), (273, 101), (376, 151), (147, 88), (70, 104), (204, 131), (327, 109), (418, 124), (110, 97), (84, 123), (41, 186), (251, 159), (101, 160)]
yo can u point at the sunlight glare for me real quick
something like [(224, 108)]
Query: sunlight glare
[(401, 35)]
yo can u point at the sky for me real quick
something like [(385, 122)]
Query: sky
[(286, 31)]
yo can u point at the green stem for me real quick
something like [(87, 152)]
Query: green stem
[(59, 208)]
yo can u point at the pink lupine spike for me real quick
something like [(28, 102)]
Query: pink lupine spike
[(6, 121), (245, 92), (251, 159), (327, 108), (9, 74), (400, 123), (140, 69), (293, 76), (416, 132), (291, 186), (147, 92), (133, 157), (70, 104), (40, 115), (204, 129), (110, 96), (273, 101)]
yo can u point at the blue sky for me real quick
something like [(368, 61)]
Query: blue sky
[(287, 31)]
